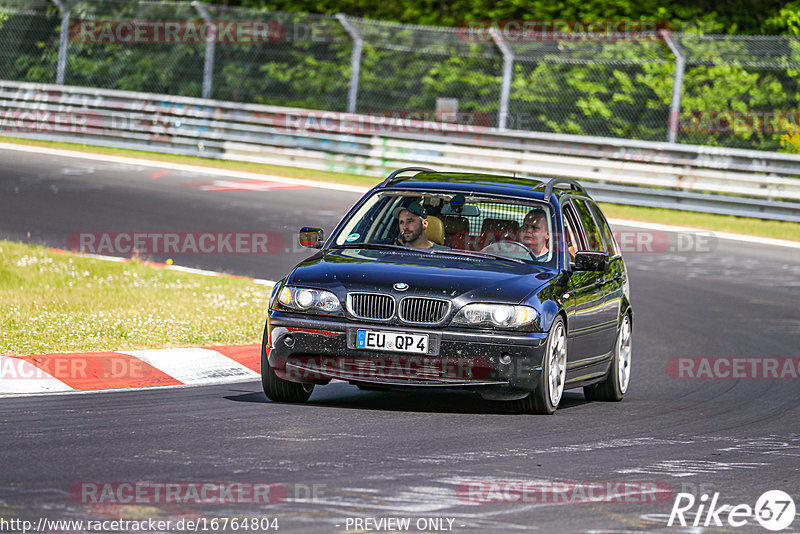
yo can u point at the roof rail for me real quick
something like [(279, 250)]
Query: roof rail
[(394, 174), (548, 190)]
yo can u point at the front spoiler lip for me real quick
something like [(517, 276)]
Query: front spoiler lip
[(433, 383), (333, 326)]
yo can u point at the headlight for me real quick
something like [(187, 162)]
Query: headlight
[(501, 315), (309, 300)]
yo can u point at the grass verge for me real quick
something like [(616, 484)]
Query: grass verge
[(63, 302), (718, 223)]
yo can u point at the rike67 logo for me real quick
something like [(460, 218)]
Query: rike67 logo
[(774, 510)]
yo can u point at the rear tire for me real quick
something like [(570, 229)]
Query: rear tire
[(615, 384), (277, 389), (545, 398)]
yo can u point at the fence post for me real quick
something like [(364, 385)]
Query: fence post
[(505, 88), (62, 46), (211, 45), (355, 61), (677, 86)]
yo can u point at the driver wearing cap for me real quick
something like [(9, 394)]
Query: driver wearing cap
[(413, 221)]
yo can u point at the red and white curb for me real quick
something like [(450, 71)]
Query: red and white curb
[(94, 371)]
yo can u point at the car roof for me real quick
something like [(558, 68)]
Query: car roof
[(529, 187)]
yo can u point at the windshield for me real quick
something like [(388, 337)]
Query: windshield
[(453, 224)]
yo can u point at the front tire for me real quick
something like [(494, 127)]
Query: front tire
[(615, 384), (547, 395), (277, 389)]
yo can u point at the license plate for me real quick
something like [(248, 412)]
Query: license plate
[(394, 341)]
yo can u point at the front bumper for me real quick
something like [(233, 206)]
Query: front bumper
[(316, 349)]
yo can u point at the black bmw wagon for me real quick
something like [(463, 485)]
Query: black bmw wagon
[(510, 287)]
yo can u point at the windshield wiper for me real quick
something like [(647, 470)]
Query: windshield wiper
[(461, 252), (454, 252), (379, 246)]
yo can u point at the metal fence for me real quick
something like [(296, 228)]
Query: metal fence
[(734, 91)]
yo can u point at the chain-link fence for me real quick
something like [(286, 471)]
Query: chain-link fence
[(737, 91)]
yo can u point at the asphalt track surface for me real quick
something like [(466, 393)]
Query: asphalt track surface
[(405, 455)]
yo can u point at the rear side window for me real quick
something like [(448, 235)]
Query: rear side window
[(605, 229), (594, 239)]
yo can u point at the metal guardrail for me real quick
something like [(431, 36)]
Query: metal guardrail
[(689, 177)]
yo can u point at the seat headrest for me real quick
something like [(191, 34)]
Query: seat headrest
[(435, 231)]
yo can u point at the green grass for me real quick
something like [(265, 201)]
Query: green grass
[(718, 223), (63, 302)]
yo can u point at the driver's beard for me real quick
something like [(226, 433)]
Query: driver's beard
[(414, 235)]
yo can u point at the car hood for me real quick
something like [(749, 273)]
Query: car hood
[(435, 275)]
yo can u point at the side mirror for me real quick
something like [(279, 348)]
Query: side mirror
[(312, 237), (586, 260)]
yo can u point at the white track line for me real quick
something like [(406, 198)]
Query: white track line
[(182, 167), (180, 268)]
